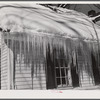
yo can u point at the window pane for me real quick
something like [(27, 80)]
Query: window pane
[(57, 72), (62, 72), (58, 81), (66, 71), (63, 81)]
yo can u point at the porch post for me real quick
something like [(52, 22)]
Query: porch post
[(10, 63)]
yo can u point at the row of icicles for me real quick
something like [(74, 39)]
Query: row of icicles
[(37, 49)]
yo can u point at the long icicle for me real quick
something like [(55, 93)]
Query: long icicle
[(32, 67)]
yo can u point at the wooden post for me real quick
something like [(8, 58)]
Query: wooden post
[(10, 69), (10, 65), (0, 60)]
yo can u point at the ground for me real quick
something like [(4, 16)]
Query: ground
[(97, 87)]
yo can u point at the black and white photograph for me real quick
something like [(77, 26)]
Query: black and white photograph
[(49, 46)]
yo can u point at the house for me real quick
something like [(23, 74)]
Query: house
[(45, 49)]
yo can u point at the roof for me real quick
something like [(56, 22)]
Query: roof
[(34, 19)]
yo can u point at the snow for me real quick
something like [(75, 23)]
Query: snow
[(34, 18)]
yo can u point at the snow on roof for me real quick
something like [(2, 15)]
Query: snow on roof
[(34, 18)]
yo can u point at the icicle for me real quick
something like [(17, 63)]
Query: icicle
[(64, 43), (51, 48), (44, 46), (39, 59), (36, 53), (25, 52), (44, 65), (13, 66), (14, 46), (39, 55), (90, 63), (24, 40), (28, 52), (77, 66), (59, 59), (49, 43), (20, 46), (32, 54), (22, 49)]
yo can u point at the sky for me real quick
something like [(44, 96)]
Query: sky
[(84, 8)]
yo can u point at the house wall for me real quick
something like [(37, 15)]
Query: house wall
[(85, 63), (16, 74), (0, 60), (24, 79), (4, 65), (86, 80)]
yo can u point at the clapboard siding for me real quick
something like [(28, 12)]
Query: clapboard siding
[(0, 60), (4, 65), (24, 80), (22, 68), (0, 39), (85, 79)]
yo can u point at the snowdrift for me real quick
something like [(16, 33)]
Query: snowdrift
[(38, 19)]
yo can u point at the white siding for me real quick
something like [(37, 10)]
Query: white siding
[(3, 65), (23, 79), (0, 59), (85, 79)]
